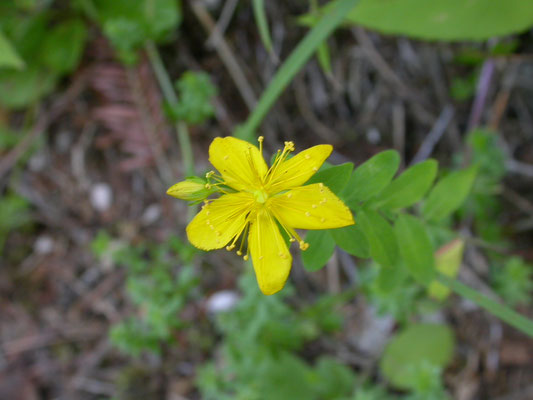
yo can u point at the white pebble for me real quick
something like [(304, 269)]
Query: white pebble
[(101, 196), (373, 135), (43, 245), (151, 214), (222, 301)]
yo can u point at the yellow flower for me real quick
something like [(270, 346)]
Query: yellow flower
[(258, 200)]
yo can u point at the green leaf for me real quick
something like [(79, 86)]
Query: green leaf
[(262, 23), (335, 380), (416, 345), (352, 240), (19, 89), (8, 56), (409, 187), (161, 17), (380, 237), (129, 24), (321, 247), (195, 94), (335, 178), (448, 194), (371, 177), (447, 261), (442, 19), (63, 46), (415, 247)]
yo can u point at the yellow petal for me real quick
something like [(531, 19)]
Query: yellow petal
[(310, 207), (219, 221), (240, 163), (270, 256), (297, 170)]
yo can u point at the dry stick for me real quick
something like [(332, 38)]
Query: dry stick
[(520, 168), (333, 274), (223, 21), (302, 101), (483, 85), (379, 63), (225, 53), (434, 135), (398, 128), (502, 99)]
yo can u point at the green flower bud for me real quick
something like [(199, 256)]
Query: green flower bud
[(191, 189)]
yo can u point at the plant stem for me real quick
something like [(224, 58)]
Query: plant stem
[(501, 311), (170, 97), (294, 63)]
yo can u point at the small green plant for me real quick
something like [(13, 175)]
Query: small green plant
[(514, 281), (258, 360), (195, 92), (129, 25), (157, 284), (42, 46)]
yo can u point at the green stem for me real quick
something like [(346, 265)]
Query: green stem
[(305, 49), (170, 97), (501, 311)]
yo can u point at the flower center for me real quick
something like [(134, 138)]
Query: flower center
[(260, 196)]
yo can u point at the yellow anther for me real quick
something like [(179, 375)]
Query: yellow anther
[(321, 185), (292, 239), (239, 253), (208, 186), (230, 247), (245, 258), (210, 174), (323, 201), (260, 139), (315, 169), (307, 214), (307, 156), (289, 146), (303, 246), (314, 206)]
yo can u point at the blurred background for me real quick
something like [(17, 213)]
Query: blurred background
[(105, 104)]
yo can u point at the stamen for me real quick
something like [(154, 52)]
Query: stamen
[(260, 140), (289, 147), (303, 245)]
